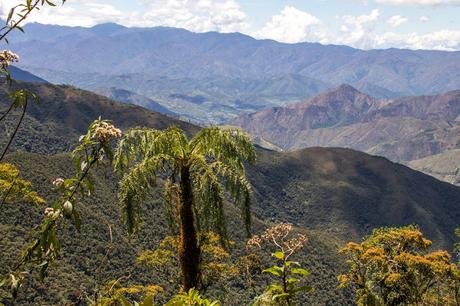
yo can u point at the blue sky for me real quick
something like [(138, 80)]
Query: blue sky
[(366, 24)]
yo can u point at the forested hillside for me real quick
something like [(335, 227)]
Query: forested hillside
[(332, 195)]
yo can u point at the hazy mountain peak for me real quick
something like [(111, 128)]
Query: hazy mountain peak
[(346, 88), (344, 96), (107, 28)]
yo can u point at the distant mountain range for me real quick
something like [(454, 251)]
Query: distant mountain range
[(401, 129), (22, 75), (129, 97), (230, 73)]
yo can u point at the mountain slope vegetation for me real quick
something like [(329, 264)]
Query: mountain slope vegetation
[(333, 195), (64, 113)]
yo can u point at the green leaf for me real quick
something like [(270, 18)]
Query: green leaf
[(300, 271), (292, 280), (275, 288), (278, 271), (148, 301), (279, 255), (50, 3), (77, 219), (280, 296)]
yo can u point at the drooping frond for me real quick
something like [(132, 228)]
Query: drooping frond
[(133, 147), (239, 188), (209, 197), (171, 141), (138, 144), (136, 185), (170, 200), (216, 160), (230, 146)]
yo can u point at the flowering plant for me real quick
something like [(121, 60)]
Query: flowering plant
[(286, 271), (94, 146)]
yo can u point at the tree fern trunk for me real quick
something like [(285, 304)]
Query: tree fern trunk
[(189, 252)]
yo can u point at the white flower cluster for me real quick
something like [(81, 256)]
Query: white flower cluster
[(53, 213), (105, 131), (49, 212), (7, 57), (58, 182)]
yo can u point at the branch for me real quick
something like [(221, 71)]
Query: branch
[(16, 23), (51, 224), (7, 112), (15, 130)]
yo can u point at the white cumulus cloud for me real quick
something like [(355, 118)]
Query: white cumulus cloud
[(396, 21), (291, 25), (194, 15), (74, 13), (357, 30), (438, 40)]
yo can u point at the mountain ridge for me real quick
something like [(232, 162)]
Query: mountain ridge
[(136, 55), (420, 126)]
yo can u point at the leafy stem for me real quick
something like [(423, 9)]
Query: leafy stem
[(23, 17)]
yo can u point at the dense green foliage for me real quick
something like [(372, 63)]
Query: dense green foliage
[(89, 260), (13, 187), (93, 257)]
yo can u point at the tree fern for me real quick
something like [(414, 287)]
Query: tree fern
[(194, 175)]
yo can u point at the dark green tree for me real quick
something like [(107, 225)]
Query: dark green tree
[(194, 174)]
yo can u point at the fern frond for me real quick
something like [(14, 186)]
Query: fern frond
[(239, 187), (209, 197), (136, 185), (133, 147), (231, 146)]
